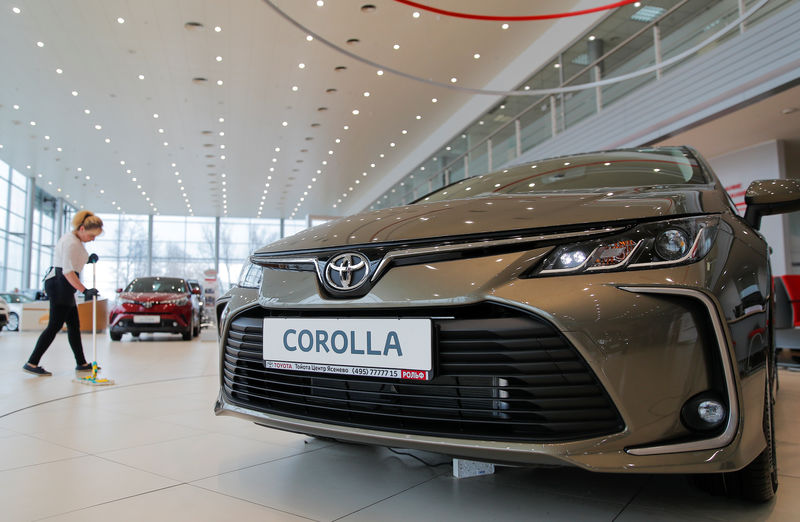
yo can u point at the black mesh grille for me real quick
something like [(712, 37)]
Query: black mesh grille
[(500, 374)]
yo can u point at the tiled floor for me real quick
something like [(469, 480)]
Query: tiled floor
[(150, 448)]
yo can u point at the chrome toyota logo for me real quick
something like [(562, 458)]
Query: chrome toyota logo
[(347, 271)]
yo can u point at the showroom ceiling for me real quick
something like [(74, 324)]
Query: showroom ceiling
[(211, 108)]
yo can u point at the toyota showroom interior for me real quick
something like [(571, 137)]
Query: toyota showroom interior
[(354, 260)]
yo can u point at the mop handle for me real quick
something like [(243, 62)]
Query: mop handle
[(94, 321)]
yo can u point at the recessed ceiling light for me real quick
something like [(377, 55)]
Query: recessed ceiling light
[(301, 65), (217, 29), (40, 44), (476, 55), (403, 131), (59, 71), (295, 88), (219, 82), (320, 3), (120, 20), (219, 58), (47, 137), (505, 26), (355, 112), (221, 120), (17, 10), (453, 79), (346, 127), (557, 65), (155, 115), (87, 111), (98, 126), (366, 94), (33, 124), (107, 140), (285, 123), (396, 46), (379, 73), (434, 100), (415, 14), (74, 93), (419, 117), (392, 144)]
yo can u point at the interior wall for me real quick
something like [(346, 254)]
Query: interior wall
[(763, 161)]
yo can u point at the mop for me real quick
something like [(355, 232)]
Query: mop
[(94, 380)]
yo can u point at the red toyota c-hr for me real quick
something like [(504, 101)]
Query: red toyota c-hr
[(155, 304)]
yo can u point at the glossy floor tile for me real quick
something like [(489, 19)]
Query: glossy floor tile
[(150, 448)]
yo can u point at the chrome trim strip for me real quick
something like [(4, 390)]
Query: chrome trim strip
[(410, 252), (728, 434), (268, 261), (287, 260)]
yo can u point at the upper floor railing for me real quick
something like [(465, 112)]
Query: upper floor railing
[(636, 45)]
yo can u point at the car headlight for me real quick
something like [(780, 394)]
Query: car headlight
[(250, 276), (649, 245)]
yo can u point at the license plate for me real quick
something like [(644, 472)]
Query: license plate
[(391, 348), (147, 319)]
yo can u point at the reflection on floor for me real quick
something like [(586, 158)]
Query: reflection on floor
[(149, 448)]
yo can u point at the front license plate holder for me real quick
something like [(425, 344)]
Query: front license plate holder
[(368, 347), (147, 319)]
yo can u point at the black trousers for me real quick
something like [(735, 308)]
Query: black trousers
[(58, 315)]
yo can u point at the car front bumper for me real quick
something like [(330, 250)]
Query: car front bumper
[(653, 339)]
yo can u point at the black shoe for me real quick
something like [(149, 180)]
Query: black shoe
[(36, 370), (86, 367)]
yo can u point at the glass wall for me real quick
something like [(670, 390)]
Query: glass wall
[(122, 249), (629, 39), (12, 222)]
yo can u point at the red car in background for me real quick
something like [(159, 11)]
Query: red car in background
[(155, 304)]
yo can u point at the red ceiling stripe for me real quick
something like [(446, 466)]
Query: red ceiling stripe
[(514, 18)]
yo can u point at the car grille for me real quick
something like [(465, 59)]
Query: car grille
[(500, 374)]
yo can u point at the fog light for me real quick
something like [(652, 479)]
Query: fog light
[(174, 323), (704, 412), (711, 411)]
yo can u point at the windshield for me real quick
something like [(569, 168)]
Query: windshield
[(171, 285), (16, 298), (584, 172)]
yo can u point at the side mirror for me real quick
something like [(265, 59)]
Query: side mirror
[(196, 291), (771, 196), (119, 290)]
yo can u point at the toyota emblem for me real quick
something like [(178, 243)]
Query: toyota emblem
[(346, 272)]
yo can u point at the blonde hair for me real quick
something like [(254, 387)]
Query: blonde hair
[(86, 219)]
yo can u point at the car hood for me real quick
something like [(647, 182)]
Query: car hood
[(150, 297), (499, 213)]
